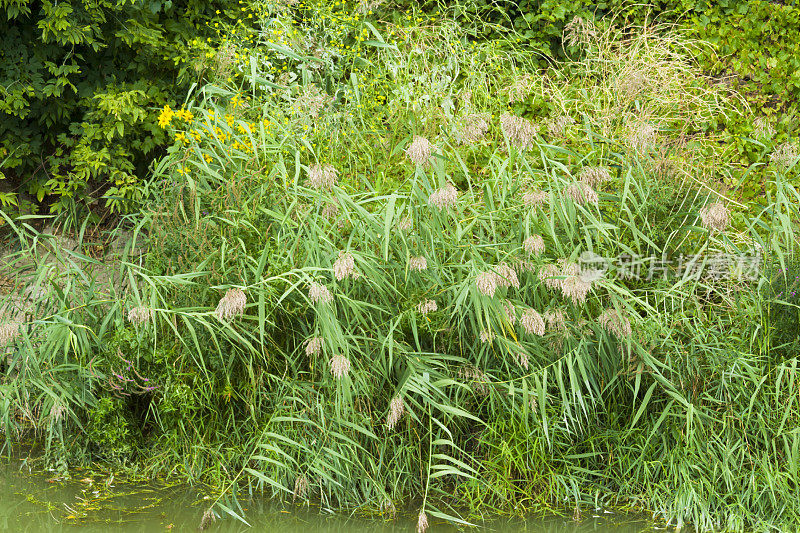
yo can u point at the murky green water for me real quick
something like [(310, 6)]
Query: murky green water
[(32, 502)]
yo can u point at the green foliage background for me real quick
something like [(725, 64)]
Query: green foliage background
[(79, 83), (81, 80)]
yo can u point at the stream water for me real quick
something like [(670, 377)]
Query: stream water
[(33, 502)]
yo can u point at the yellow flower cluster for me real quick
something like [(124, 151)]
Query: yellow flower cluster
[(246, 146), (165, 116), (185, 115)]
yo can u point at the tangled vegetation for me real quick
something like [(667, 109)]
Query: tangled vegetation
[(387, 262), (79, 81)]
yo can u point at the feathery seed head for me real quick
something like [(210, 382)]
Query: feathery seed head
[(207, 519), (428, 306), (365, 7), (231, 305), (344, 266), (57, 411), (558, 125), (615, 323), (314, 345), (487, 283), (444, 198), (784, 155), (466, 99), (8, 332), (322, 177), (300, 488), (422, 522), (594, 176), (311, 101), (472, 128), (526, 266), (486, 336), (581, 193), (396, 410), (330, 209), (580, 31), (506, 276), (549, 275), (420, 151), (521, 357), (511, 312), (629, 84), (319, 294), (404, 224), (570, 269), (520, 132), (576, 289), (641, 135), (535, 198), (533, 403), (532, 322), (534, 245), (715, 216), (139, 315), (520, 88), (340, 366), (573, 285), (477, 378), (762, 128), (556, 320), (418, 264)]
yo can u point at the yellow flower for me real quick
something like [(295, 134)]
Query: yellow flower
[(165, 117), (183, 114)]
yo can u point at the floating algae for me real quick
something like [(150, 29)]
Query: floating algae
[(99, 502)]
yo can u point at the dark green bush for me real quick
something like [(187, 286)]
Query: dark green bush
[(79, 89), (108, 428)]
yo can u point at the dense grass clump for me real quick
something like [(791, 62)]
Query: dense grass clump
[(446, 278)]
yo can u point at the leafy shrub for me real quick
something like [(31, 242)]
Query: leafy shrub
[(80, 83), (108, 429)]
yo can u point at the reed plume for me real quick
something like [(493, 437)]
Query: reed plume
[(231, 305)]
